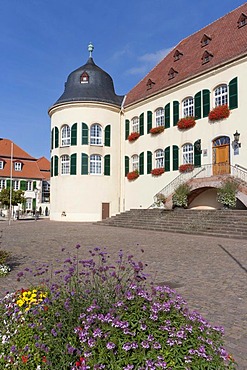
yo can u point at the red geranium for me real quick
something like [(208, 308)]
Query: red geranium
[(80, 362), (24, 359), (133, 136), (186, 122), (157, 171), (220, 112), (156, 130), (133, 175), (188, 167)]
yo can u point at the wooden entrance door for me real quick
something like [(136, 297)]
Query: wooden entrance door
[(105, 210), (221, 160)]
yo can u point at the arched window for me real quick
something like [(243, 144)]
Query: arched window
[(159, 158), (96, 134), (159, 117), (65, 135), (65, 165), (135, 124), (188, 153), (95, 164), (135, 162), (220, 95), (188, 107)]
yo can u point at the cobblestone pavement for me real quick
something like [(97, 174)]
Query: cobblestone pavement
[(210, 273)]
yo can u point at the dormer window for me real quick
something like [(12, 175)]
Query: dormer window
[(206, 57), (177, 55), (17, 166), (242, 21), (84, 78), (1, 164), (172, 73), (205, 40), (150, 84)]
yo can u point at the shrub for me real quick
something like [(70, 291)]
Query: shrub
[(94, 314), (227, 193), (180, 196), (4, 268)]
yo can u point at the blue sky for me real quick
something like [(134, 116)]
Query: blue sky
[(42, 41)]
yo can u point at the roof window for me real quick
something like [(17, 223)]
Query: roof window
[(84, 78), (150, 84), (206, 57), (242, 21), (205, 40), (172, 73), (177, 55), (18, 166)]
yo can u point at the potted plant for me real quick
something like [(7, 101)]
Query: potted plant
[(133, 175), (219, 112), (157, 171), (186, 123), (133, 136), (157, 130), (180, 196), (226, 194), (187, 167), (160, 199)]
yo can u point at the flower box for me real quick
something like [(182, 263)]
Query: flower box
[(133, 175), (188, 167), (218, 113), (157, 130), (133, 136), (186, 123), (157, 171)]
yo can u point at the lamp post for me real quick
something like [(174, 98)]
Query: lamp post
[(35, 209), (236, 136)]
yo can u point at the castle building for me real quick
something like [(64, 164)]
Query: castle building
[(183, 122)]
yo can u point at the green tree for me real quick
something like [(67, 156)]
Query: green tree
[(17, 197)]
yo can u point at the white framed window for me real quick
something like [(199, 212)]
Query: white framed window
[(159, 117), (135, 124), (95, 164), (1, 165), (65, 135), (188, 107), (159, 158), (188, 153), (65, 165), (29, 204), (29, 185), (135, 162), (2, 184), (220, 95), (96, 134), (16, 184), (17, 166)]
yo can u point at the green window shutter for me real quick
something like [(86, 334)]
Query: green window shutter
[(107, 165), (56, 137), (23, 185), (127, 128), (34, 204), (149, 120), (8, 184), (51, 166), (167, 115), (175, 113), (55, 165), (175, 157), (206, 102), (141, 163), (141, 124), (197, 154), (84, 164), (74, 134), (52, 138), (108, 135), (233, 93), (34, 185), (127, 165), (149, 162), (198, 105), (167, 159), (73, 164), (84, 139)]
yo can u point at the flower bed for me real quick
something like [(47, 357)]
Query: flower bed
[(133, 175), (157, 171), (188, 167), (95, 313), (133, 136), (218, 113), (157, 130), (4, 268), (186, 123)]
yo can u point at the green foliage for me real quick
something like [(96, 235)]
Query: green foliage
[(17, 197), (4, 255), (180, 196), (227, 193)]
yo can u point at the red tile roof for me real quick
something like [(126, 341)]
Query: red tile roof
[(226, 41)]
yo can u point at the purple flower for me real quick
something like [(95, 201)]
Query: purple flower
[(110, 345)]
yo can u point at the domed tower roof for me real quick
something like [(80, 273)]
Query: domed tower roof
[(89, 83)]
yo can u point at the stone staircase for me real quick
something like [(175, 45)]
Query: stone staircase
[(224, 223)]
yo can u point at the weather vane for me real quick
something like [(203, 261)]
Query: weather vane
[(90, 49)]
